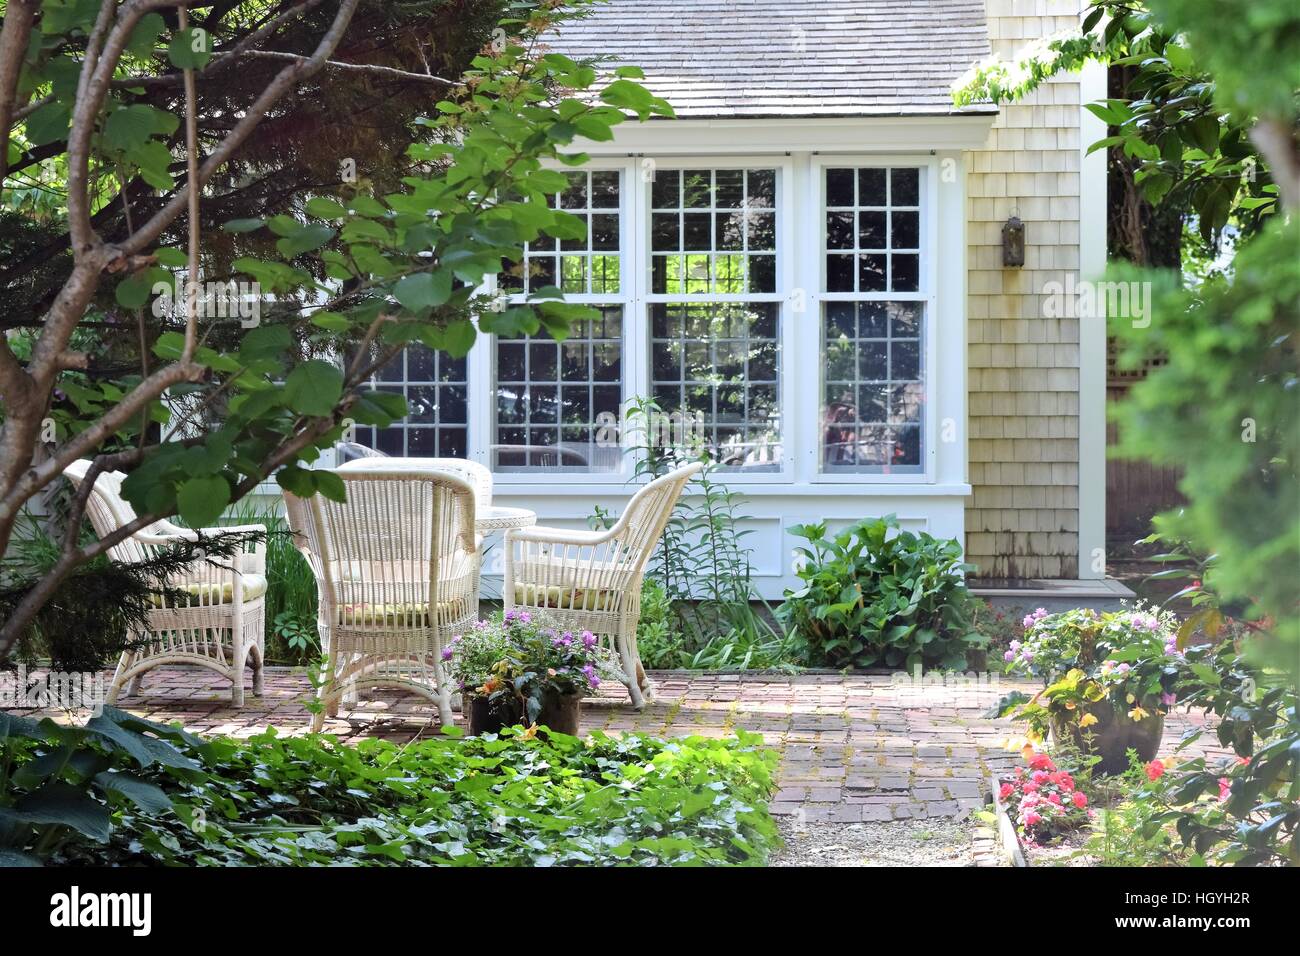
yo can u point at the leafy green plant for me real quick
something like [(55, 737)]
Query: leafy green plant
[(291, 596), (61, 786), (875, 595), (518, 660), (517, 799), (658, 639)]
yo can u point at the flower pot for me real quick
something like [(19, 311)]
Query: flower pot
[(561, 713), (1113, 735), (485, 716)]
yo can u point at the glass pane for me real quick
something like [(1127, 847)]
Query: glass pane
[(549, 397), (721, 360), (434, 387), (873, 395)]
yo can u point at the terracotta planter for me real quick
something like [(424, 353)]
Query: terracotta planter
[(1113, 735), (561, 713), (484, 718)]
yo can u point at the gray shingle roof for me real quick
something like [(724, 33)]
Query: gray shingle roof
[(784, 58)]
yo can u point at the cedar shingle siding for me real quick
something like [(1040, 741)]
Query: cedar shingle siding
[(1022, 520)]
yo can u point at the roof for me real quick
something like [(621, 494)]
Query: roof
[(789, 58)]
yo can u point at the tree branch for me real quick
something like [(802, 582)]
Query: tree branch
[(374, 68), (284, 81), (14, 34)]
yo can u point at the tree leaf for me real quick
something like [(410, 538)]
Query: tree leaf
[(314, 388), (425, 290), (201, 500)]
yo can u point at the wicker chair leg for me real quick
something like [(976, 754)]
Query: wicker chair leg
[(237, 687), (629, 674), (135, 685), (115, 685), (255, 654)]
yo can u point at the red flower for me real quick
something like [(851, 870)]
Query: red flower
[(1079, 799), (1005, 791), (1155, 770), (1041, 762)]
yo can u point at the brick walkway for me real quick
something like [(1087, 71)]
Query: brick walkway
[(859, 747)]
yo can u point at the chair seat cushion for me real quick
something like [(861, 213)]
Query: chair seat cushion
[(207, 593), (398, 615), (565, 598)]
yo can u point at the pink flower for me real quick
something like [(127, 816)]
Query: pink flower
[(1079, 799), (1031, 787), (1014, 645), (1005, 791), (1225, 789), (1054, 798), (1009, 656), (1040, 613), (1032, 819), (1155, 770), (1040, 777), (1028, 622), (1168, 699), (1041, 762)]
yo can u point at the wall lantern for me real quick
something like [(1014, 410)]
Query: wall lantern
[(1013, 242)]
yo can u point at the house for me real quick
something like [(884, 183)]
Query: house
[(808, 263)]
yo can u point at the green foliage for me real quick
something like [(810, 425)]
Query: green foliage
[(658, 639), (876, 596), (1128, 829), (1223, 408), (1189, 139), (509, 800), (291, 597), (61, 787)]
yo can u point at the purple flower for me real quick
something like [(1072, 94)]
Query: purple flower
[(1027, 655), (1124, 668), (1168, 699), (590, 673), (446, 653), (525, 617), (510, 616), (1040, 613), (1028, 622), (589, 640), (1009, 656), (1014, 645)]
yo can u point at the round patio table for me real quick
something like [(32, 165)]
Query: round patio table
[(500, 518), (486, 520)]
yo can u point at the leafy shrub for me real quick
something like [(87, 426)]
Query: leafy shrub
[(61, 787), (520, 799), (291, 599), (658, 639), (877, 596)]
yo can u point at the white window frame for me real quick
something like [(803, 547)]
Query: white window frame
[(927, 294)]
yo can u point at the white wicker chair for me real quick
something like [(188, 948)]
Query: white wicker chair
[(220, 626), (396, 568), (592, 579)]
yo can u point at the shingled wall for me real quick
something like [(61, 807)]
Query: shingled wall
[(1022, 520)]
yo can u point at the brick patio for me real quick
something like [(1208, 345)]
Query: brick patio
[(860, 747)]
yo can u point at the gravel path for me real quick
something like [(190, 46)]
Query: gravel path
[(898, 843)]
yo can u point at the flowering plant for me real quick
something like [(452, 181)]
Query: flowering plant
[(1043, 799), (1130, 656), (517, 659)]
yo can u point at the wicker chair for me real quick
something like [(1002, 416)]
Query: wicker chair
[(396, 568), (220, 625), (592, 579)]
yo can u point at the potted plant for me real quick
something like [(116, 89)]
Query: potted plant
[(518, 669), (1109, 679)]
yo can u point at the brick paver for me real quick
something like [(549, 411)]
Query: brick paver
[(855, 747)]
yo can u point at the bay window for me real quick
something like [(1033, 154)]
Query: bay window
[(781, 307)]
